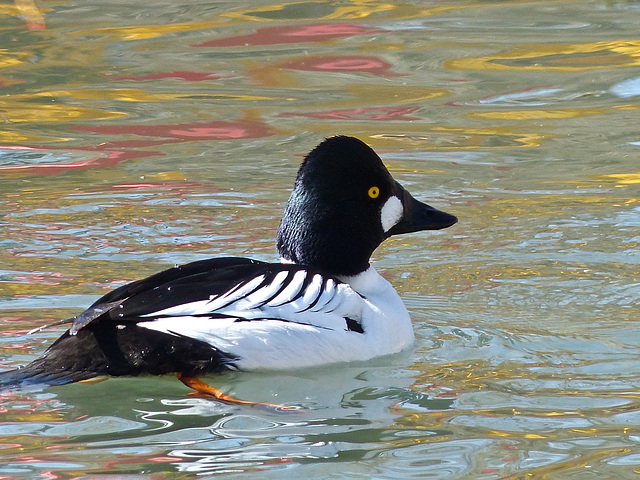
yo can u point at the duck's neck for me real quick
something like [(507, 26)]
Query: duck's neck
[(366, 283), (323, 239), (326, 253)]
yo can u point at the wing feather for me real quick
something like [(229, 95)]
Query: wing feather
[(319, 283), (262, 296), (293, 289), (229, 289), (241, 290)]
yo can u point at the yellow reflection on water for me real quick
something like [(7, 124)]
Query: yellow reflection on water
[(11, 58), (14, 111), (553, 204), (138, 95), (444, 137), (142, 32), (562, 57), (623, 178), (356, 9), (390, 94), (17, 138), (537, 114), (353, 10), (30, 12)]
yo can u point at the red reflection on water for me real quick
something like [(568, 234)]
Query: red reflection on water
[(15, 318), (20, 325), (177, 188), (8, 445), (135, 186), (31, 15), (343, 63), (212, 130), (48, 475), (124, 459), (291, 34), (368, 114), (110, 159), (188, 76), (35, 278), (7, 82), (115, 152)]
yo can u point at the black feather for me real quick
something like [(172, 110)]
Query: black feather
[(353, 325)]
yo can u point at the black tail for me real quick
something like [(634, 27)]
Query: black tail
[(101, 348), (39, 373), (70, 359)]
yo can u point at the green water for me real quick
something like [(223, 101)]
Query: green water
[(135, 137)]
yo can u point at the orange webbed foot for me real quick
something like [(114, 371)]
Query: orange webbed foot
[(205, 390)]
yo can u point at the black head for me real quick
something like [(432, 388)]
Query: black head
[(343, 205)]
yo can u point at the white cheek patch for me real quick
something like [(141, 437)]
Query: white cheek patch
[(391, 213)]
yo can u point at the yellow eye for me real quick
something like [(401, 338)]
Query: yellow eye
[(374, 192)]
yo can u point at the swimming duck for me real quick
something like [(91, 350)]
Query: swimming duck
[(323, 304)]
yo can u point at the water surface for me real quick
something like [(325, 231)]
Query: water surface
[(140, 136)]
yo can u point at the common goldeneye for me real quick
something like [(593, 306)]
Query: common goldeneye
[(323, 304)]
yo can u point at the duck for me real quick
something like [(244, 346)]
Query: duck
[(322, 304)]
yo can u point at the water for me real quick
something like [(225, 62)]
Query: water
[(139, 136)]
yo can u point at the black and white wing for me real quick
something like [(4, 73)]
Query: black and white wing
[(230, 289)]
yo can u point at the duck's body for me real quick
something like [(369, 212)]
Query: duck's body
[(323, 304), (298, 318)]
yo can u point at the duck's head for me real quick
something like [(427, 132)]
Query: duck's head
[(344, 204)]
